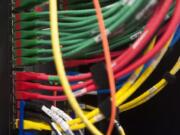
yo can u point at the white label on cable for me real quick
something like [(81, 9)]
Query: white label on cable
[(133, 78), (130, 2), (152, 90), (98, 117), (148, 6), (140, 39), (136, 35), (98, 37), (80, 92)]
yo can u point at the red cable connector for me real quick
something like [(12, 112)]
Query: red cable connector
[(25, 96), (29, 76)]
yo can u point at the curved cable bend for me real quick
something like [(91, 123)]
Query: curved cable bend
[(61, 70), (109, 69)]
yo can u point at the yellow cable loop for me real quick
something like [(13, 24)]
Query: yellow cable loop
[(124, 88), (151, 92), (146, 74), (61, 70)]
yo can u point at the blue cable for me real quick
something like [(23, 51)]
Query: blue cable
[(176, 37), (121, 81), (21, 121), (21, 118), (30, 133)]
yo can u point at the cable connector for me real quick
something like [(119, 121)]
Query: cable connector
[(25, 86), (21, 95), (29, 76)]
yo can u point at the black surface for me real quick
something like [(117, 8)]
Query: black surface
[(99, 75), (5, 68), (160, 115)]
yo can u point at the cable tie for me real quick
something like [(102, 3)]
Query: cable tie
[(140, 39), (98, 37), (105, 108), (169, 78), (99, 75), (80, 92)]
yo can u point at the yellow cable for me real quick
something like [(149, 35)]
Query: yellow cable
[(134, 76), (145, 75), (121, 130), (151, 92), (61, 70)]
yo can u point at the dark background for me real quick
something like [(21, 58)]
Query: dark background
[(5, 68), (160, 116)]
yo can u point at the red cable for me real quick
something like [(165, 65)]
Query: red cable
[(74, 63), (143, 40), (21, 95), (160, 44), (28, 86), (29, 76)]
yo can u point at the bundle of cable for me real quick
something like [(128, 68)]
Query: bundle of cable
[(106, 46)]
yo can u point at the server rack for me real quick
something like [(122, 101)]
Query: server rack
[(7, 99)]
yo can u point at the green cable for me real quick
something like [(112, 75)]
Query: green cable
[(85, 41)]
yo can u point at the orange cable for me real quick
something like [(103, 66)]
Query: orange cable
[(109, 69)]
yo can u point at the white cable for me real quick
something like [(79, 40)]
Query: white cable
[(63, 115), (65, 127), (56, 128)]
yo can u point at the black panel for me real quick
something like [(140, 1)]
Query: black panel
[(5, 68)]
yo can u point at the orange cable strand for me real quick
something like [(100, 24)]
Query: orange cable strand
[(109, 69)]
